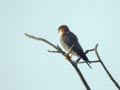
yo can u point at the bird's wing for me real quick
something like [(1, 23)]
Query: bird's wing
[(70, 39)]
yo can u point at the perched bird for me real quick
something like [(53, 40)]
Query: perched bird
[(69, 40)]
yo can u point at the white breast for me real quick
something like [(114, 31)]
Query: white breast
[(66, 47)]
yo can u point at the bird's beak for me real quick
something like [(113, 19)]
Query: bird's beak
[(60, 32)]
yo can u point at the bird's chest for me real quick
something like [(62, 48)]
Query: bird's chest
[(64, 44)]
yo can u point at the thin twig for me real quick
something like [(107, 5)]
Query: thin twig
[(41, 39), (53, 51), (90, 50), (91, 61), (106, 70)]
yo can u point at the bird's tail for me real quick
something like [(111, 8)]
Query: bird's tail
[(88, 63), (85, 58)]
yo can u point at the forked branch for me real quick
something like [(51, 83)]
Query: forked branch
[(75, 63), (66, 55)]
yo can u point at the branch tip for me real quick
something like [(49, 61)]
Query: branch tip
[(96, 46)]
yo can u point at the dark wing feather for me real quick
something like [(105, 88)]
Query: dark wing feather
[(70, 39)]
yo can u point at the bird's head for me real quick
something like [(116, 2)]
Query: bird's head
[(62, 29)]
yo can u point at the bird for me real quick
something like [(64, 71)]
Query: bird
[(70, 41)]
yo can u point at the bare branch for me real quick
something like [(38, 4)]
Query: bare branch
[(106, 70), (41, 39), (90, 50), (74, 64), (65, 55), (91, 61), (53, 51), (80, 75)]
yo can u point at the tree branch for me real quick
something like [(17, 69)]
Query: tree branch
[(74, 63), (41, 39), (53, 51), (96, 61), (66, 55), (106, 70)]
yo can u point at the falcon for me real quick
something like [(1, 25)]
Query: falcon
[(70, 41)]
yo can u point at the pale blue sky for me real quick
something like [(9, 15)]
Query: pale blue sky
[(26, 65)]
